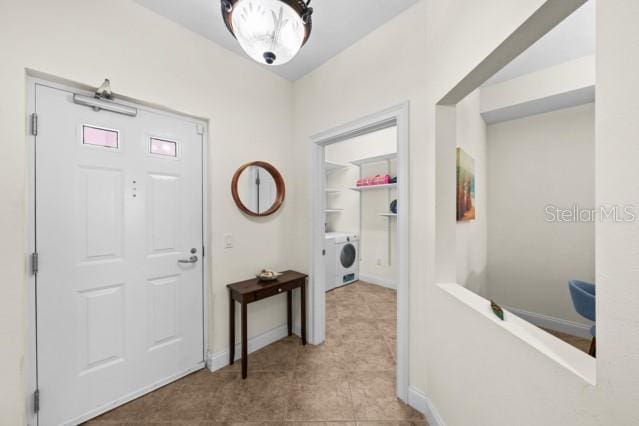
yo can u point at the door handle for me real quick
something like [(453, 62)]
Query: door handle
[(191, 259)]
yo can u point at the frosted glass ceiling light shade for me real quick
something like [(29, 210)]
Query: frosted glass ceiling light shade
[(271, 32)]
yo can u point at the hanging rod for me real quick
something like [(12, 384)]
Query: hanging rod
[(99, 104)]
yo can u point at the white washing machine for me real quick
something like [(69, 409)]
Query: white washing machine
[(330, 263), (342, 259)]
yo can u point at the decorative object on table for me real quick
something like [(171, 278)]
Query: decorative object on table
[(267, 275), (258, 189), (271, 32), (497, 310), (465, 186), (393, 206)]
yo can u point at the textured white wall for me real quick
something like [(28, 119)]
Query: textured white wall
[(416, 57), (455, 351), (379, 262), (546, 159), (616, 174), (548, 82), (148, 58), (471, 237)]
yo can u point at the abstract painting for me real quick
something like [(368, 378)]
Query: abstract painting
[(465, 186)]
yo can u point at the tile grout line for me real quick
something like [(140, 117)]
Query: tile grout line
[(366, 303), (348, 382), (350, 391), (388, 346), (290, 384)]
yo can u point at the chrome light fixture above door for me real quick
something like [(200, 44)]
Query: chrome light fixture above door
[(271, 32)]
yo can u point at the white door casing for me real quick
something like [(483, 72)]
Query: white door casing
[(116, 312)]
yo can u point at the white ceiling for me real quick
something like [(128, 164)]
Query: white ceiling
[(573, 38), (337, 24)]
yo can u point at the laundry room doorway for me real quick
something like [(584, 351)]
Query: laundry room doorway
[(361, 210), (360, 243)]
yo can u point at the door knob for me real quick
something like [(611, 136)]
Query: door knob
[(191, 259)]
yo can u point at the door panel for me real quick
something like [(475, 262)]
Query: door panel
[(164, 311), (102, 335), (102, 212), (163, 211), (116, 312)]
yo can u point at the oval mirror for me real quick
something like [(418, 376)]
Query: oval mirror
[(258, 188)]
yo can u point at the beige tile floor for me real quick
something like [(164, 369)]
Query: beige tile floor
[(349, 379)]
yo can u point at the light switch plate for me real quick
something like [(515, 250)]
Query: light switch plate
[(228, 241)]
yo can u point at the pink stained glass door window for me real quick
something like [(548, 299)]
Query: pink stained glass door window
[(163, 147), (96, 136)]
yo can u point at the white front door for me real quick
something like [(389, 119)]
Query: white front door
[(118, 205)]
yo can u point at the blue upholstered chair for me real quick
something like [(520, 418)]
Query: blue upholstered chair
[(583, 298)]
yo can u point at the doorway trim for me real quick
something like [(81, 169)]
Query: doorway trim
[(34, 78), (395, 116)]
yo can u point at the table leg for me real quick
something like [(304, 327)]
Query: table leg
[(303, 303), (231, 329), (289, 311), (244, 342)]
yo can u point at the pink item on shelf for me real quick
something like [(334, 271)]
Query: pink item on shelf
[(374, 180), (381, 180)]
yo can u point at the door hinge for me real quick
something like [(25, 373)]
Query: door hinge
[(36, 401), (203, 251), (200, 129), (323, 252), (34, 124), (34, 263)]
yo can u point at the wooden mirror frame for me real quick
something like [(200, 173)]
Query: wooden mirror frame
[(279, 185)]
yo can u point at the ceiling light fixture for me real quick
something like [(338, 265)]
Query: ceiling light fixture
[(271, 32)]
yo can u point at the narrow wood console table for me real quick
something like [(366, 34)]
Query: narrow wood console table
[(250, 291)]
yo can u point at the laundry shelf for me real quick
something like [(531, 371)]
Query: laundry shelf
[(371, 187), (375, 159), (388, 214), (333, 210), (331, 166)]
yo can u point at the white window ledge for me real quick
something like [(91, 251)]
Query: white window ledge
[(569, 357)]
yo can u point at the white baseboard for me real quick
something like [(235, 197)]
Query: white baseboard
[(379, 281), (552, 323), (422, 403), (218, 360)]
